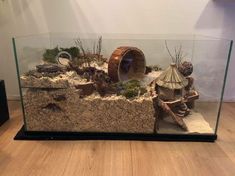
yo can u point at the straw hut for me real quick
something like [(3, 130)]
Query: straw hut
[(171, 83)]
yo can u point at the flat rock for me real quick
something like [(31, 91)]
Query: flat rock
[(49, 68)]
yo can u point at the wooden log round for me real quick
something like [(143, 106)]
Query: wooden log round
[(126, 63)]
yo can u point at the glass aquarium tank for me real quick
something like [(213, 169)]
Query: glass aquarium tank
[(167, 87)]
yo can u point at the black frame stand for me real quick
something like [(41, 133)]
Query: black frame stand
[(4, 112), (37, 135)]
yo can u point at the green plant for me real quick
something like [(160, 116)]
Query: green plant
[(50, 55), (87, 56), (74, 51), (131, 84), (130, 93), (130, 89)]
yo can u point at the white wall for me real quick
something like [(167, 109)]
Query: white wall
[(24, 17)]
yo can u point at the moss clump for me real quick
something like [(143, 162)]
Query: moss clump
[(131, 84), (130, 93), (73, 51), (50, 55), (130, 89)]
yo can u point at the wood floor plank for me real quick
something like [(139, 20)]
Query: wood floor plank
[(117, 158)]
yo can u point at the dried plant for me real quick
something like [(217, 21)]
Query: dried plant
[(179, 55), (87, 56), (73, 51), (79, 44), (99, 46), (84, 58)]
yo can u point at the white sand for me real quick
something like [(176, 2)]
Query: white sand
[(195, 123)]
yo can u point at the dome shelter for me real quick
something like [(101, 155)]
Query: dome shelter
[(171, 83)]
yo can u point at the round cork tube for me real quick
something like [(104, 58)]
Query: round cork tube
[(126, 63)]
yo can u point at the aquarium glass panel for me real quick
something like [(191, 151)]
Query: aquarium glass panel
[(122, 83)]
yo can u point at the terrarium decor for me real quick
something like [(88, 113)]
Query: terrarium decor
[(113, 87), (126, 63)]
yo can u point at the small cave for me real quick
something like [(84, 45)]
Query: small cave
[(52, 107)]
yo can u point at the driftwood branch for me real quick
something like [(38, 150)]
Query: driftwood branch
[(168, 110)]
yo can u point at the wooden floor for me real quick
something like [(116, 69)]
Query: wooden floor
[(117, 158)]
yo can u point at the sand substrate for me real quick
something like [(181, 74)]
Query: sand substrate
[(63, 110), (195, 123)]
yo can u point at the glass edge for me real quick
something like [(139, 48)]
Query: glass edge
[(223, 87), (19, 83), (150, 36), (212, 37), (32, 35)]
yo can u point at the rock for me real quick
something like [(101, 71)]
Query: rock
[(87, 88), (186, 68), (52, 107), (102, 88), (190, 83), (102, 80), (148, 70), (33, 73), (49, 68)]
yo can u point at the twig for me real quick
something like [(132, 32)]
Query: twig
[(78, 42), (179, 55), (88, 56), (169, 51), (176, 55), (94, 48), (99, 46)]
